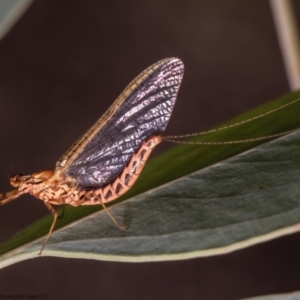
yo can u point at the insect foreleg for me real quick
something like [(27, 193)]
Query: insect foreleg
[(9, 196)]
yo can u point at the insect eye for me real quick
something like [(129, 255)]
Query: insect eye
[(15, 180)]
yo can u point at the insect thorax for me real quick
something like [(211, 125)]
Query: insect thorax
[(49, 188)]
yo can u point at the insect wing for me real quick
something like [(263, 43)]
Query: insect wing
[(143, 109)]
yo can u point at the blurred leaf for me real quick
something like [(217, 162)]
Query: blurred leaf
[(190, 201), (10, 13), (289, 296)]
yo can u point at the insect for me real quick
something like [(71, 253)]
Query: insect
[(107, 160)]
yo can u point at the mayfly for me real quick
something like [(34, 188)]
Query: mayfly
[(107, 160)]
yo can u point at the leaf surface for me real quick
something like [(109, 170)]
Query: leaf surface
[(190, 201)]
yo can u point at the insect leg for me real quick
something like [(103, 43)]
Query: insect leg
[(9, 196), (122, 227), (55, 215)]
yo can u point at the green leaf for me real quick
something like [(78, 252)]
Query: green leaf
[(190, 201)]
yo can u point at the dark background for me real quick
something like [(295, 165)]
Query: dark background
[(61, 67)]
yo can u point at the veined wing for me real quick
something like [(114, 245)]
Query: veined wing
[(143, 109)]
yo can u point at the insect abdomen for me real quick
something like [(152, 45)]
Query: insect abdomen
[(125, 180)]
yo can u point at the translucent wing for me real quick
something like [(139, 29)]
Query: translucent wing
[(143, 109)]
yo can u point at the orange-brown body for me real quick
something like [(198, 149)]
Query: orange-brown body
[(58, 190)]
